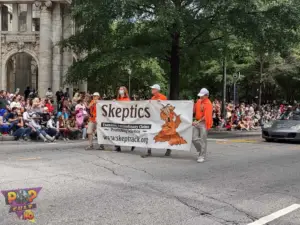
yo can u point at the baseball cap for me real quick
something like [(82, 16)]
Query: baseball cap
[(156, 86), (203, 92), (96, 94), (35, 116)]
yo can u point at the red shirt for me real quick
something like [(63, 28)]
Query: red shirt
[(50, 107), (93, 113), (159, 96), (203, 109), (125, 99)]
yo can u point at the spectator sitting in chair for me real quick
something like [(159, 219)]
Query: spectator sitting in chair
[(48, 104), (62, 127), (36, 127), (72, 127), (52, 130), (45, 116), (13, 118), (5, 126), (21, 131)]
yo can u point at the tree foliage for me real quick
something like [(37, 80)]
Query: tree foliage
[(182, 43)]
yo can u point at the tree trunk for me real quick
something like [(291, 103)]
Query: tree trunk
[(174, 63)]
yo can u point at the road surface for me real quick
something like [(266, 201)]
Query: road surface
[(244, 181)]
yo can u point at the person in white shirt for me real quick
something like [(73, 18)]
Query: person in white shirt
[(49, 94), (36, 127), (15, 103), (52, 130)]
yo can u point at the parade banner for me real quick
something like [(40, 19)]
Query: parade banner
[(146, 124)]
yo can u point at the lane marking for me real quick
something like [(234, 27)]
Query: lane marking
[(216, 139), (243, 141), (276, 215), (24, 159), (233, 140)]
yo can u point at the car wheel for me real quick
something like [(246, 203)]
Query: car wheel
[(269, 140)]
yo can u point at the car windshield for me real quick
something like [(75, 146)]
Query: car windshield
[(294, 115)]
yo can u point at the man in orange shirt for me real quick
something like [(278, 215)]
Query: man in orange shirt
[(92, 125), (203, 112), (156, 95)]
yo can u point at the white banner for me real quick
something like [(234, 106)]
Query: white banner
[(146, 124)]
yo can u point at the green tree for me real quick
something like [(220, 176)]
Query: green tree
[(272, 27), (181, 35)]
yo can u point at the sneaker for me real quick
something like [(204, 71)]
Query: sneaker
[(132, 148), (67, 139), (118, 149), (146, 155), (91, 147), (200, 159), (168, 152), (101, 147), (149, 154)]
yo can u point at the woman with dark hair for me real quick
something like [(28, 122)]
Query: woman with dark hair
[(122, 95), (62, 126)]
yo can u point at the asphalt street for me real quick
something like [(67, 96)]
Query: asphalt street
[(242, 181)]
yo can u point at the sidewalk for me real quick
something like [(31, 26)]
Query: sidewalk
[(233, 134)]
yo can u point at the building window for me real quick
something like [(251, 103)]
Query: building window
[(36, 12), (22, 16), (6, 17)]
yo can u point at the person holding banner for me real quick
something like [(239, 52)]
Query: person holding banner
[(122, 96), (92, 125), (156, 95), (203, 114)]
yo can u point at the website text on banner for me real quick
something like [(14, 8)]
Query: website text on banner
[(147, 124)]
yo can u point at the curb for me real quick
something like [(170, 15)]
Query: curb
[(233, 135), (33, 146), (6, 138)]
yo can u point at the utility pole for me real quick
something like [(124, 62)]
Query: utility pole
[(224, 86), (129, 81), (236, 77)]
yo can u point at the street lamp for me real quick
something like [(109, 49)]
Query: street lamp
[(236, 77), (129, 80)]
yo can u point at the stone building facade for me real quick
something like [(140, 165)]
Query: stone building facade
[(30, 31)]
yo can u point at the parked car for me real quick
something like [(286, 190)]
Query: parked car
[(286, 128)]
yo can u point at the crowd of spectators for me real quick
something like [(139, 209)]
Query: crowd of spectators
[(248, 116), (30, 117)]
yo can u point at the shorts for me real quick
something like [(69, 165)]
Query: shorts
[(91, 127)]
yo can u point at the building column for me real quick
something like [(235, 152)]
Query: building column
[(57, 53), (2, 86), (45, 51), (67, 53), (15, 19), (29, 18)]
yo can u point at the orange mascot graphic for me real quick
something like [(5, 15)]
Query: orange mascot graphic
[(28, 215), (168, 132)]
